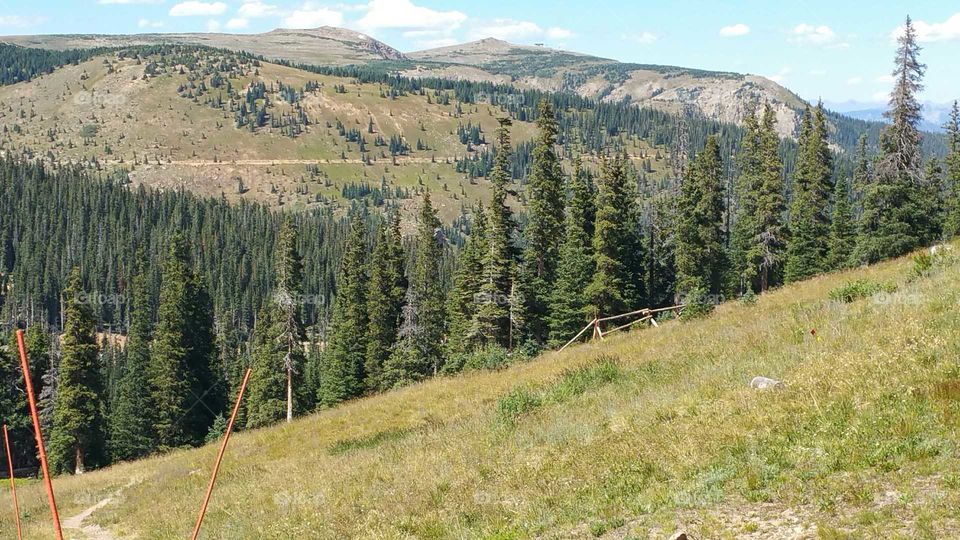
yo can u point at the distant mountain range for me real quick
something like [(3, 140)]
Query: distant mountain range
[(934, 114)]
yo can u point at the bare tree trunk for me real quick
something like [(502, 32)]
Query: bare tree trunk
[(289, 394), (79, 461)]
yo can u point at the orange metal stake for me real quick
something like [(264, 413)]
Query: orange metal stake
[(36, 431), (223, 448), (13, 484)]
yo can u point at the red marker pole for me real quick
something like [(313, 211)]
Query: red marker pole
[(13, 484), (223, 448), (36, 431)]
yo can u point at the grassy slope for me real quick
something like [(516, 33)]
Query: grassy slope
[(862, 440), (200, 149)]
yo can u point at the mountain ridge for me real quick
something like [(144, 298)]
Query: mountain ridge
[(720, 95)]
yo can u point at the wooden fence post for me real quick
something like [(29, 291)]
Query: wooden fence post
[(13, 483)]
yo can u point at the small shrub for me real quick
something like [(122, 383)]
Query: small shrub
[(748, 298), (698, 305), (861, 288), (518, 402), (217, 430), (922, 264), (575, 382), (489, 358)]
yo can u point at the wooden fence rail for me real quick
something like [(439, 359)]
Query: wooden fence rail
[(646, 314)]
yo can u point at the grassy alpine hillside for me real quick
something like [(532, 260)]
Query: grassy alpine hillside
[(634, 437), (227, 124)]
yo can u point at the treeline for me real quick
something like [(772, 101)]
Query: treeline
[(19, 64)]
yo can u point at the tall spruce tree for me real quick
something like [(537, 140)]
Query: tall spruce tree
[(491, 323), (79, 427), (568, 306), (613, 286), (342, 366), (843, 232), (759, 234), (544, 230), (419, 353), (388, 285), (893, 219), (131, 432), (184, 395), (701, 259), (746, 186), (951, 223), (807, 250), (278, 355), (467, 279)]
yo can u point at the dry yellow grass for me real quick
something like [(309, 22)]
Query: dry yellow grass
[(861, 441)]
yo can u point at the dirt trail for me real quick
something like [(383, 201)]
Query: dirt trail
[(92, 531), (273, 162)]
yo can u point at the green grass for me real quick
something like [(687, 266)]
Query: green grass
[(632, 437)]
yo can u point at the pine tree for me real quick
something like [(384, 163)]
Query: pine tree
[(467, 280), (701, 260), (79, 427), (131, 432), (843, 233), (744, 224), (809, 218), (544, 230), (278, 355), (342, 371), (385, 295), (568, 307), (420, 351), (615, 240), (894, 220), (951, 224), (759, 235), (183, 391), (491, 323)]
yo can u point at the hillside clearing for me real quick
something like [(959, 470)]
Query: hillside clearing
[(861, 441)]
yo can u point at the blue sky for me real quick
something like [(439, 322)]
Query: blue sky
[(836, 50)]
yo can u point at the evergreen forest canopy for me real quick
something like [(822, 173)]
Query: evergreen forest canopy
[(137, 302)]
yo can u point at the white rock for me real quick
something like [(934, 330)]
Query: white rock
[(765, 383), (940, 248)]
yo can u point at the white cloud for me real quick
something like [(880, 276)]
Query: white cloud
[(311, 15), (20, 21), (886, 78), (853, 81), (507, 29), (821, 35), (643, 38), (107, 2), (237, 23), (193, 8), (780, 77), (735, 30), (880, 97), (213, 25), (556, 32), (252, 10), (948, 30), (404, 14), (147, 23)]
